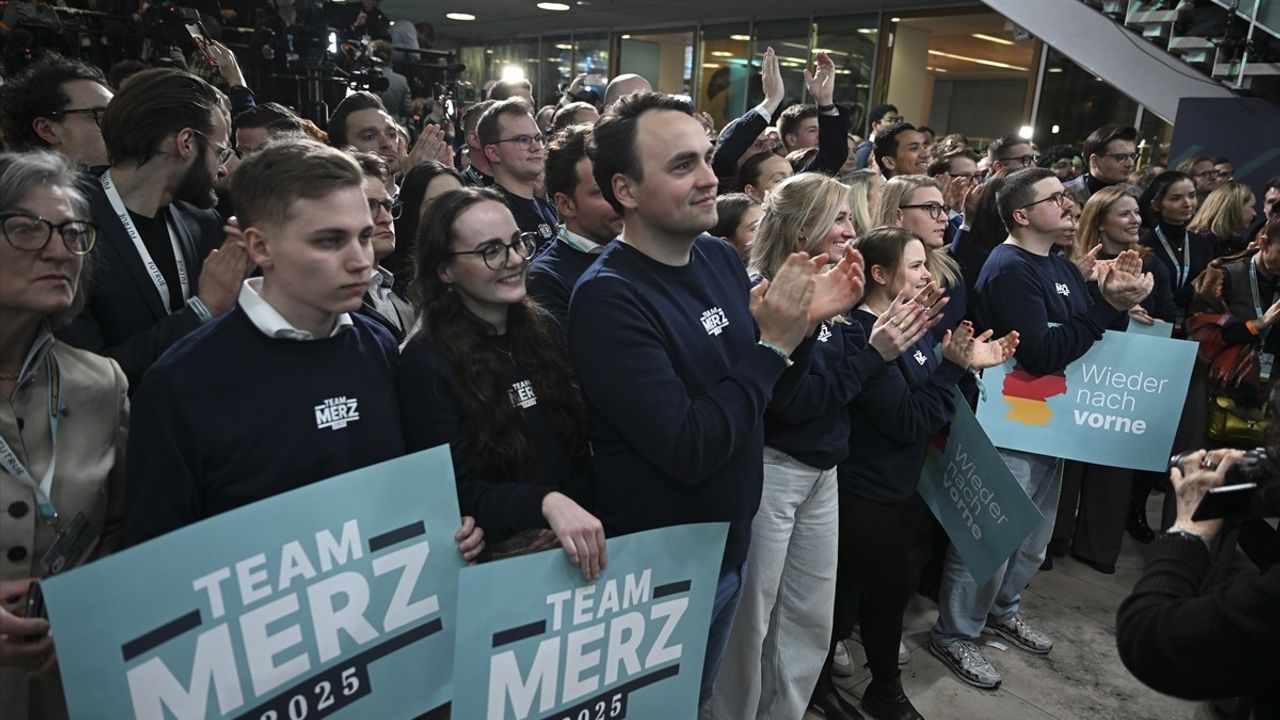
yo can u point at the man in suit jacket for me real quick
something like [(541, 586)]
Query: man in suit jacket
[(380, 301), (167, 136)]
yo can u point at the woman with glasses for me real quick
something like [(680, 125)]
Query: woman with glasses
[(915, 202), (1225, 216), (488, 374), (63, 417)]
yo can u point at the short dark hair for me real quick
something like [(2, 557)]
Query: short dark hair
[(942, 163), (263, 115), (487, 129), (1098, 140), (613, 140), (1000, 144), (1155, 192), (153, 105), (355, 102), (800, 159), (38, 93), (564, 117), (471, 116), (1018, 191), (730, 207), (371, 164), (752, 169), (413, 192), (886, 142), (564, 152), (268, 182), (505, 89), (1222, 160), (1188, 166), (1273, 183), (878, 112), (791, 117), (123, 70)]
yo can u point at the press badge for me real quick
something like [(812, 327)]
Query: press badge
[(73, 541), (1265, 362)]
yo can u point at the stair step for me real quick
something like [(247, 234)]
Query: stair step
[(1150, 17), (1231, 70), (1178, 43)]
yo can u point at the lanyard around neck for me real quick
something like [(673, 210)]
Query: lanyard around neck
[(1258, 310), (12, 465), (157, 277), (1182, 271)]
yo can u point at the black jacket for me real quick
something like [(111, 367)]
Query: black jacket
[(737, 137), (124, 318)]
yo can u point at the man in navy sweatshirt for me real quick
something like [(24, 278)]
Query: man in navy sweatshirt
[(1024, 287), (663, 336), (590, 222), (292, 386)]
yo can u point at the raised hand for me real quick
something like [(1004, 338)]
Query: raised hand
[(781, 306), (578, 531), (430, 145), (956, 191), (225, 60), (771, 79), (821, 83), (837, 288)]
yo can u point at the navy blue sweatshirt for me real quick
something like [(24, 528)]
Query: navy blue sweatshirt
[(676, 387), (229, 416), (1019, 290), (893, 418), (433, 412), (533, 215), (552, 275), (807, 418)]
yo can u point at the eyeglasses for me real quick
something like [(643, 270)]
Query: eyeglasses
[(393, 207), (95, 112), (1060, 199), (936, 211), (1206, 174), (1023, 160), (224, 152), (32, 233), (497, 254), (891, 119), (524, 141), (1122, 157)]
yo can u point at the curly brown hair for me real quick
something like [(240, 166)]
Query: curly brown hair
[(465, 341)]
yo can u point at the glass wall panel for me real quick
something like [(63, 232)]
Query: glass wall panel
[(556, 69), (724, 74), (1154, 138), (591, 54), (790, 40), (1074, 103)]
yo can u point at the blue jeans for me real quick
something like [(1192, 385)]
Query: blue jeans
[(728, 594), (964, 606)]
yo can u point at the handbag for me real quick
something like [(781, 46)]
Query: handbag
[(1233, 422)]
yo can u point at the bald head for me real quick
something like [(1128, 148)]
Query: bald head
[(625, 84)]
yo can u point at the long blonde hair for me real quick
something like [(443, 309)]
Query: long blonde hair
[(797, 212), (859, 182), (1089, 231), (1223, 211), (941, 265)]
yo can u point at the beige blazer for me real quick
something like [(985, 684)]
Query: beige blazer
[(88, 478)]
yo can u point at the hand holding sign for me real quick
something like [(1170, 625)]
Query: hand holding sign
[(15, 650), (579, 532), (1122, 283), (470, 539)]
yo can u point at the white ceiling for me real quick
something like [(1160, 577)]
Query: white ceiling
[(498, 19)]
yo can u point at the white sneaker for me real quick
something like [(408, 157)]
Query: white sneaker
[(841, 661)]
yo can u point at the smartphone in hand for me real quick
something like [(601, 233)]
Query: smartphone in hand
[(35, 608)]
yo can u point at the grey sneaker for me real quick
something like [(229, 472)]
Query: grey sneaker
[(1018, 631), (966, 661), (841, 661)]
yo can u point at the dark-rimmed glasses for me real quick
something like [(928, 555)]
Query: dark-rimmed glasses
[(32, 233), (95, 112), (1023, 160), (393, 207), (523, 141), (1060, 199), (935, 210), (497, 254), (1121, 157)]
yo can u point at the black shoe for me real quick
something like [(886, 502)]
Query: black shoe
[(886, 701), (828, 703), (1137, 524), (1048, 562), (1058, 548), (1104, 569)]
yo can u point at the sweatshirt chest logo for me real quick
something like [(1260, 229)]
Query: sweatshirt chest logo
[(714, 321), (1063, 290), (920, 357), (522, 395), (824, 333), (336, 413)]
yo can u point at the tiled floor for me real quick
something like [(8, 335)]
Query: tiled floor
[(1081, 679)]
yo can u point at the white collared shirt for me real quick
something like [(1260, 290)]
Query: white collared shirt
[(271, 322), (579, 243)]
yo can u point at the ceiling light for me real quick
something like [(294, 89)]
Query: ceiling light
[(796, 45), (721, 53), (626, 37), (895, 20), (867, 31), (553, 6), (460, 16), (564, 46), (512, 74), (711, 66), (1054, 129), (992, 38), (1025, 132), (980, 61), (1055, 70), (829, 51), (740, 38)]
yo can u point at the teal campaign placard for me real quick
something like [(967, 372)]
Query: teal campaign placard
[(537, 641), (1118, 405), (1159, 329), (334, 600), (966, 484)]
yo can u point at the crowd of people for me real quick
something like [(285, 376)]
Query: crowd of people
[(618, 317)]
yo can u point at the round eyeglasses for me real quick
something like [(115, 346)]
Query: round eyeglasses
[(32, 233)]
